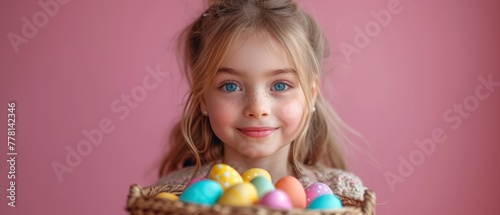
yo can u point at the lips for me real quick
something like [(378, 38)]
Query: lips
[(257, 132)]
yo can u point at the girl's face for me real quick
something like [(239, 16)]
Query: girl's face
[(255, 102)]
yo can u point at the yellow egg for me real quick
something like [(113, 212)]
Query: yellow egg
[(226, 175), (243, 194), (250, 174), (169, 196)]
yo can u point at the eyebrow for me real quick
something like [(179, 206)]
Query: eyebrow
[(271, 73)]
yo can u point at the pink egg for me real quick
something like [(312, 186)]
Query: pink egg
[(277, 199), (315, 190), (194, 180)]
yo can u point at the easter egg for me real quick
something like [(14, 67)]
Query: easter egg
[(194, 180), (166, 195), (262, 185), (277, 199), (325, 202), (226, 175), (251, 173), (205, 192), (294, 189), (315, 190), (243, 194)]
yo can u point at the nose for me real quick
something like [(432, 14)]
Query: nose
[(257, 105)]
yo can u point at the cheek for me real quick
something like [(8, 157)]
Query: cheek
[(221, 114), (291, 113)]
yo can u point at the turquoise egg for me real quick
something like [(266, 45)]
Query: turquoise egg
[(194, 180), (263, 185), (325, 202), (205, 192)]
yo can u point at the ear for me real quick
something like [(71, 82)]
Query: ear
[(203, 104), (314, 93)]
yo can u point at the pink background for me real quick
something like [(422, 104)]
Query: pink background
[(394, 91)]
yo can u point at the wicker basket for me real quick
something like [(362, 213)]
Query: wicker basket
[(141, 201)]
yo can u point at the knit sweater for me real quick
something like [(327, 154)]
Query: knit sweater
[(342, 182)]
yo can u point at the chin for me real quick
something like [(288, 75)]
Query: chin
[(255, 153)]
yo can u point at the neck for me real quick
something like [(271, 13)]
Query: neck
[(276, 164)]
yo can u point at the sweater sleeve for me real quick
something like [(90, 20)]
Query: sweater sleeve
[(342, 182), (182, 176)]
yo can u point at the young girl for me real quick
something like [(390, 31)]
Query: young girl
[(255, 68)]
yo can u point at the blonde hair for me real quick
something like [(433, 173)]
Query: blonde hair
[(205, 46)]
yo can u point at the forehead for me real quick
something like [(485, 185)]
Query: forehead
[(251, 51)]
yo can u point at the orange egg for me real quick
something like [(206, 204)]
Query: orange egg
[(294, 189)]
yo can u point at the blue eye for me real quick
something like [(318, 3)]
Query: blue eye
[(230, 87), (280, 86)]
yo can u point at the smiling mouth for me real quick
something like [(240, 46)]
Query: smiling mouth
[(257, 132)]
